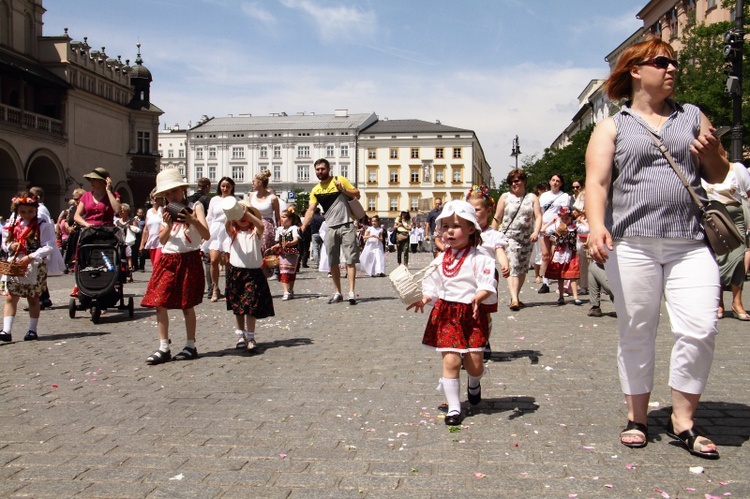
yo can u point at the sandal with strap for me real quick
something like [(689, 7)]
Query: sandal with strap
[(632, 430), (187, 353), (158, 357), (241, 344), (690, 438)]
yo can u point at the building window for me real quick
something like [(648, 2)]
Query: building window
[(263, 152), (414, 202), (393, 175), (199, 153), (329, 151), (276, 152), (181, 153), (439, 153), (372, 176), (439, 175), (393, 203), (182, 171), (303, 173), (212, 173), (414, 175), (457, 175), (143, 145), (170, 153), (414, 153), (277, 173), (456, 153), (394, 153), (238, 153), (238, 173), (344, 171), (372, 154), (211, 153), (198, 171), (371, 205), (711, 4), (303, 151), (345, 151)]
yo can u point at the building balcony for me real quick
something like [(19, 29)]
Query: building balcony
[(30, 121)]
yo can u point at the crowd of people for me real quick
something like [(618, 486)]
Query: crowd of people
[(631, 232)]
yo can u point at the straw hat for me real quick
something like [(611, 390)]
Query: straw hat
[(232, 209), (97, 174), (169, 178), (253, 210), (461, 208)]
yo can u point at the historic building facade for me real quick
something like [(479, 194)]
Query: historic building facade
[(407, 163), (66, 108)]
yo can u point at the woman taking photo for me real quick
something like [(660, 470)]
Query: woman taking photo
[(403, 226), (268, 205), (519, 217), (218, 244), (551, 202), (650, 236)]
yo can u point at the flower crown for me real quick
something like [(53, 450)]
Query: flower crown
[(25, 200), (481, 190)]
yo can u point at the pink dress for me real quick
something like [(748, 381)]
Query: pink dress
[(97, 212)]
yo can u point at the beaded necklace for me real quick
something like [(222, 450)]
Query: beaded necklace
[(449, 259)]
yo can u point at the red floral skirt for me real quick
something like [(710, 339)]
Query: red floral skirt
[(452, 328), (248, 293), (177, 281)]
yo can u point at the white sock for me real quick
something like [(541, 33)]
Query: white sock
[(545, 280), (33, 323), (452, 389), (8, 323), (190, 344), (239, 332), (249, 335), (164, 345), (474, 383)]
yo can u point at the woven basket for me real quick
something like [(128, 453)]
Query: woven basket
[(408, 285), (271, 260), (13, 269)]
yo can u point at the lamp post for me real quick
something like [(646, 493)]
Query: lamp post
[(733, 49), (516, 150)]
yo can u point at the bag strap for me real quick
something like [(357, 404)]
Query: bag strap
[(520, 205), (425, 272), (671, 162)]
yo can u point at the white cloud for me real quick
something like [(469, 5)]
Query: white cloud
[(338, 23), (255, 10)]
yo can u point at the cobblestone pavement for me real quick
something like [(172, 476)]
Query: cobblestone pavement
[(341, 402)]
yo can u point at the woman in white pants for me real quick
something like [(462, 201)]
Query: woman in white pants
[(650, 236)]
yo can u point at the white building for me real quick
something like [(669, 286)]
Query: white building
[(242, 146)]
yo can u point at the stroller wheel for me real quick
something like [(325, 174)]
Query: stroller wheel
[(131, 308), (72, 308), (95, 314)]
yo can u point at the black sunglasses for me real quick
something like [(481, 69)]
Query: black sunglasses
[(661, 62)]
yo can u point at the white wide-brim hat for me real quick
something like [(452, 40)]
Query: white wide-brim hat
[(461, 208), (169, 178), (232, 208)]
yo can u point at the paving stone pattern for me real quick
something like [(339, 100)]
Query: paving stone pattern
[(340, 401)]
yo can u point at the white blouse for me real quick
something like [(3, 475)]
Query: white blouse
[(477, 273)]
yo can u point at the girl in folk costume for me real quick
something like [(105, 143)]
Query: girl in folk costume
[(563, 231), (493, 244), (287, 246), (247, 291), (372, 259), (177, 279), (31, 242), (457, 327)]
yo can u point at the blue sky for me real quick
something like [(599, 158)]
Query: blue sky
[(498, 67)]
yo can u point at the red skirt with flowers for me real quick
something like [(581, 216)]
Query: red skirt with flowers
[(452, 328), (176, 282)]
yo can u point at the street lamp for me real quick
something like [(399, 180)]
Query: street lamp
[(516, 150)]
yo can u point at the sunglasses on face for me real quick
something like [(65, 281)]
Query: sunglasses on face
[(661, 62), (576, 187)]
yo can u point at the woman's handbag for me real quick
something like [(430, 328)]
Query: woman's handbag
[(721, 233), (408, 285), (392, 237)]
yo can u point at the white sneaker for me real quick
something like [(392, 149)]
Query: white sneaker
[(285, 297), (352, 298)]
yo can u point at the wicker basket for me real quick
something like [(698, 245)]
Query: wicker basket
[(13, 269), (408, 285), (271, 260)]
